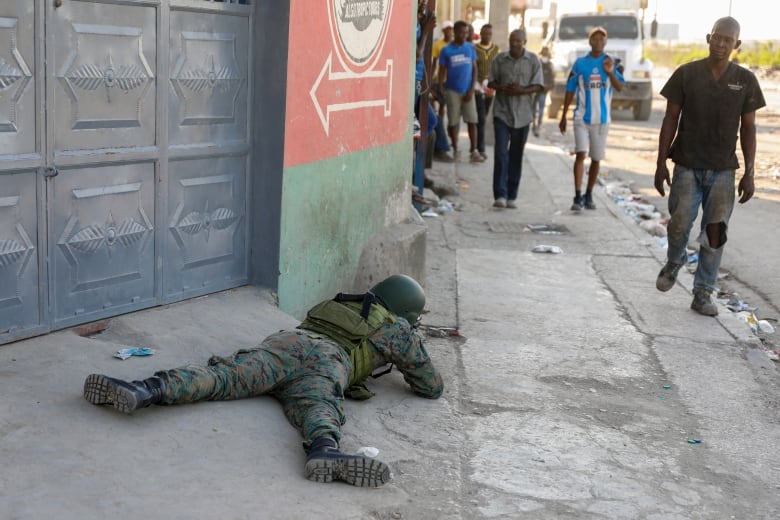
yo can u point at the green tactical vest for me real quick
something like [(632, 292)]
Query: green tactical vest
[(343, 322)]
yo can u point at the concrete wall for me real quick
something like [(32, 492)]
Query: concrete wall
[(346, 192), (332, 209)]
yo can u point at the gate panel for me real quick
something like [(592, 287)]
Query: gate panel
[(205, 248), (115, 195), (21, 307), (17, 81), (102, 241), (102, 92), (208, 85), (19, 299), (104, 72)]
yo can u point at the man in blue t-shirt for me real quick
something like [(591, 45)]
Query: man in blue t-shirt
[(592, 79), (458, 75)]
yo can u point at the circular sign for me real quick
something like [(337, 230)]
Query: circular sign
[(359, 29)]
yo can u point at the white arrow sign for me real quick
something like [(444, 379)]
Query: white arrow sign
[(374, 89)]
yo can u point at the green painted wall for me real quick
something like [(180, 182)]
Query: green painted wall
[(330, 209)]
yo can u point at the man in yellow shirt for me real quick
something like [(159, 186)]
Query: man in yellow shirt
[(446, 37)]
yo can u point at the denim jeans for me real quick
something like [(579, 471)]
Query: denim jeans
[(538, 106), (714, 192), (483, 107), (442, 143), (508, 159)]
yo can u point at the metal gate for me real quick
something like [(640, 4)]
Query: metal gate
[(124, 152)]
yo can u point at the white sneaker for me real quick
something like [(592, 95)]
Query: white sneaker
[(511, 204), (500, 203)]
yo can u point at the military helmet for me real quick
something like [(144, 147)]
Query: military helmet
[(402, 295)]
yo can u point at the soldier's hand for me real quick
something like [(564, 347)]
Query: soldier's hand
[(746, 188), (661, 176)]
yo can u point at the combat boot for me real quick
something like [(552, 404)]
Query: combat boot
[(325, 463), (702, 303), (122, 395)]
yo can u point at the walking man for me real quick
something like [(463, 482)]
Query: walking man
[(458, 74), (308, 370), (486, 53), (516, 76), (541, 98), (709, 102), (592, 79)]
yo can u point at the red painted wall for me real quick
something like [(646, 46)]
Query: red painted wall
[(348, 78)]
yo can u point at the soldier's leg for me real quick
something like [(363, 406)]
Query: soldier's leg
[(125, 396), (313, 403), (246, 373)]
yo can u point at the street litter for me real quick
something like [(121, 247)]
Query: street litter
[(129, 352), (445, 206), (541, 229), (547, 249), (750, 319), (636, 206), (734, 304), (694, 441), (765, 327), (653, 227), (429, 213), (368, 451), (438, 332)]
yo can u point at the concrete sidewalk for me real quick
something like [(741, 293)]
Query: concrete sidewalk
[(572, 390)]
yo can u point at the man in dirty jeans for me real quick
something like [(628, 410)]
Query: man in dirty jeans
[(713, 191), (704, 118)]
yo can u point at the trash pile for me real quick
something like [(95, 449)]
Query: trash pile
[(645, 214), (649, 218), (432, 206), (761, 328)]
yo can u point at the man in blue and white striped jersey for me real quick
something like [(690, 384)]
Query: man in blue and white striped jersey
[(592, 80)]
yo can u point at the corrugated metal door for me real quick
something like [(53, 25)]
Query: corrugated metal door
[(118, 190)]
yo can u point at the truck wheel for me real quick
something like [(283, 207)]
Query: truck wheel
[(642, 110), (552, 109)]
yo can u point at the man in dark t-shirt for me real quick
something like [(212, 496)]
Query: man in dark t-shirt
[(709, 102)]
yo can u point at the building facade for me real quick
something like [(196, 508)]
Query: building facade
[(157, 150)]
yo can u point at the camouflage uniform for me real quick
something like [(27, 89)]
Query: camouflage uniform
[(306, 372)]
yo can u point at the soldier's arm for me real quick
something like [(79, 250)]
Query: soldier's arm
[(403, 346)]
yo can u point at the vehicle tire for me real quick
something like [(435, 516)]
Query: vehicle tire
[(642, 110)]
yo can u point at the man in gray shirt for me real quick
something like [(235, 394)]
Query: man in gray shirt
[(516, 76)]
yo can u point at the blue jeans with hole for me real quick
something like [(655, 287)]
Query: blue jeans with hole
[(508, 159), (713, 191)]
